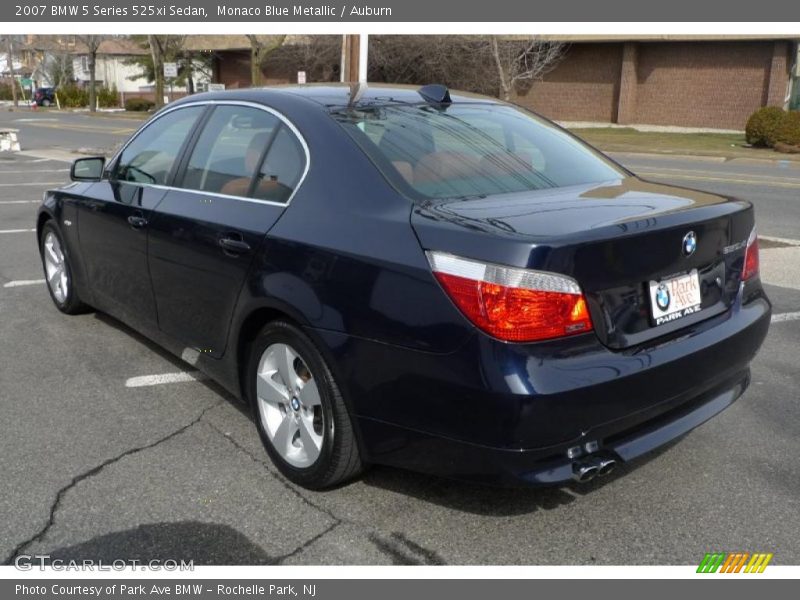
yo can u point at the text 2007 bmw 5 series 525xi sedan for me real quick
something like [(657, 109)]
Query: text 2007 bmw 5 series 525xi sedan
[(442, 282)]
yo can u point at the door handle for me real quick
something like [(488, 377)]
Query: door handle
[(234, 245), (137, 222)]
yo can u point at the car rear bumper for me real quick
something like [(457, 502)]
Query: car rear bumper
[(545, 466), (508, 413)]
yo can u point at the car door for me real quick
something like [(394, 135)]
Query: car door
[(114, 214), (232, 187)]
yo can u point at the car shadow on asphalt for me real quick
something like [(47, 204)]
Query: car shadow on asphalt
[(179, 364), (487, 500), (202, 543), (457, 495)]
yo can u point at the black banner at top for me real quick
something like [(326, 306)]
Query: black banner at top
[(143, 11)]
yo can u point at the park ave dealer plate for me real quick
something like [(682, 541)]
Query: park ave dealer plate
[(675, 297)]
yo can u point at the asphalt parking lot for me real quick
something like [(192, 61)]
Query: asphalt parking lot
[(104, 459)]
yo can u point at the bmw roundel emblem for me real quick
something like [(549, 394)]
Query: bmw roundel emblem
[(662, 297), (689, 243)]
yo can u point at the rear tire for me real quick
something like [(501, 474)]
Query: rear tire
[(57, 271), (299, 411)]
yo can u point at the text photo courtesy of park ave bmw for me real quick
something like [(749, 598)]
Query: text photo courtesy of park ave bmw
[(352, 287)]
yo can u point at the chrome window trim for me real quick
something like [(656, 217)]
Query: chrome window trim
[(285, 120)]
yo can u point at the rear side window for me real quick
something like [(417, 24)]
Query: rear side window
[(230, 149), (149, 158), (282, 169), (472, 149)]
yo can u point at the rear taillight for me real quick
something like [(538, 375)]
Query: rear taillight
[(750, 269), (511, 304)]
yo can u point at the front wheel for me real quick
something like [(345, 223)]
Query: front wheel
[(57, 271), (299, 411)]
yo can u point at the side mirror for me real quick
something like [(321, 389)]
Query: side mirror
[(87, 169)]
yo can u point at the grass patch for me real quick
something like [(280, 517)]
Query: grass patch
[(627, 139)]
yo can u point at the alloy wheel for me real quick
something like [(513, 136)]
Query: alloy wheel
[(55, 266), (289, 405)]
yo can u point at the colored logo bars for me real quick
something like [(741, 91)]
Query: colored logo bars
[(734, 562)]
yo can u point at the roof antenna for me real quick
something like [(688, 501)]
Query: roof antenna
[(436, 93), (357, 89)]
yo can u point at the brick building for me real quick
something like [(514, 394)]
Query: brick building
[(709, 81), (231, 55), (712, 81)]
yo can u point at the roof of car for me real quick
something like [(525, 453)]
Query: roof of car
[(343, 94), (332, 95)]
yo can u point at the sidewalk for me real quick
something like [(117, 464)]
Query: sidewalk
[(680, 142)]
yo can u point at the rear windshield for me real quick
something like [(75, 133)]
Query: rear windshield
[(472, 150)]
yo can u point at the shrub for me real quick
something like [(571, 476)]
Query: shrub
[(788, 132), (5, 91), (762, 124), (72, 96), (107, 97), (139, 104)]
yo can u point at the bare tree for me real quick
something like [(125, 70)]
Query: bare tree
[(494, 65), (457, 61), (261, 46), (10, 63), (92, 43), (318, 55), (57, 67), (162, 49), (523, 61), (158, 45)]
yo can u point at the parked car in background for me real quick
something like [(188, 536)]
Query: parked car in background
[(44, 96), (446, 283)]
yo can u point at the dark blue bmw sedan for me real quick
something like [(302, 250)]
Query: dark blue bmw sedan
[(404, 276)]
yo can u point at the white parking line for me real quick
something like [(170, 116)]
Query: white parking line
[(20, 201), (32, 183), (780, 240), (35, 171), (17, 230), (183, 376), (21, 282), (781, 317)]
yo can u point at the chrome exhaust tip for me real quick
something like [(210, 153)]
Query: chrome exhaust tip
[(584, 471), (605, 466)]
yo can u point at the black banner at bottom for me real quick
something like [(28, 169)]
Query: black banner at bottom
[(388, 589)]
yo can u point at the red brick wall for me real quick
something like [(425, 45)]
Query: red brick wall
[(233, 69), (694, 84), (701, 84), (779, 74), (584, 86), (628, 84)]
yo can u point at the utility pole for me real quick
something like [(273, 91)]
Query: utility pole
[(10, 62), (354, 58)]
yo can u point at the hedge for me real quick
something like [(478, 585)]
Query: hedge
[(107, 97), (139, 104), (72, 96), (788, 131), (762, 126)]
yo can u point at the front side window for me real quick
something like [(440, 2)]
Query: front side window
[(230, 149), (149, 158), (472, 149)]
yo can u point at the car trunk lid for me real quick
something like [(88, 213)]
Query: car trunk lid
[(614, 238)]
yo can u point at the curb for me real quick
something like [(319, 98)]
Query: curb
[(789, 162), (658, 155)]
